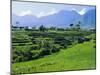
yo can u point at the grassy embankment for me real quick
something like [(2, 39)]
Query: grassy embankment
[(80, 56)]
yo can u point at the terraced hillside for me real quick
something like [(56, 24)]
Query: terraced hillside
[(80, 56)]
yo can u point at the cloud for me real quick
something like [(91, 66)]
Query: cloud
[(81, 12), (49, 12), (23, 13), (38, 15)]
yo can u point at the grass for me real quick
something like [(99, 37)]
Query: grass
[(78, 57)]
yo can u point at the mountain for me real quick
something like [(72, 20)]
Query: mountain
[(27, 20), (89, 18), (61, 19)]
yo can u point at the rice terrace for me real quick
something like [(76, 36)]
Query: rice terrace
[(48, 37)]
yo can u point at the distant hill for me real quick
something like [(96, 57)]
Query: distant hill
[(27, 20), (89, 18), (60, 19)]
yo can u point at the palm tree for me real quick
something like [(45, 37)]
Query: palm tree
[(78, 25), (42, 28), (71, 26)]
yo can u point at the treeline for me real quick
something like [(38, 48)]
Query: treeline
[(75, 27)]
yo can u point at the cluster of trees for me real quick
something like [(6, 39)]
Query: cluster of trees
[(76, 26), (41, 47), (43, 28), (72, 27), (33, 45), (38, 48)]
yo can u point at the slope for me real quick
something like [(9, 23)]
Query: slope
[(80, 56)]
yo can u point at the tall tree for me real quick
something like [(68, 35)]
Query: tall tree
[(71, 26), (78, 25), (42, 28)]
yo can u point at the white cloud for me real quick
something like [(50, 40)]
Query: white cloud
[(44, 13), (38, 15), (81, 12), (23, 13)]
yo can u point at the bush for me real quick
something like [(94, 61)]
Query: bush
[(44, 52), (35, 54), (35, 47), (55, 49), (21, 53), (80, 40), (62, 41)]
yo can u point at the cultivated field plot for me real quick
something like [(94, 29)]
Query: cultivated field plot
[(52, 37)]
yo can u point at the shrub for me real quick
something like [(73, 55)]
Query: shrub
[(55, 49), (44, 52), (83, 39), (35, 47), (62, 41), (80, 40), (35, 54)]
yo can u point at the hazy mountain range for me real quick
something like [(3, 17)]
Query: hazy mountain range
[(61, 19)]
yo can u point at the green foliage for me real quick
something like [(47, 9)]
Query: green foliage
[(42, 28), (62, 41), (35, 54), (21, 53), (47, 43), (53, 50), (80, 56)]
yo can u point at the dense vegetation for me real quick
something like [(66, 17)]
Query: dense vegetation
[(43, 49)]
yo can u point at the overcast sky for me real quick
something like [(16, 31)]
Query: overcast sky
[(44, 9)]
